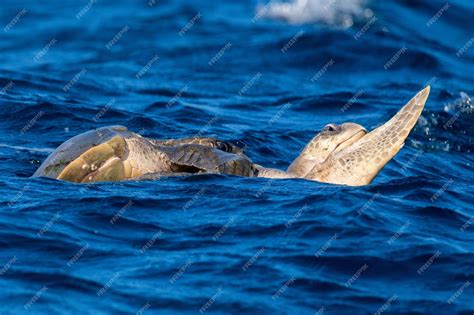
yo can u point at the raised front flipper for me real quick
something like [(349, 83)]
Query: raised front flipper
[(360, 163)]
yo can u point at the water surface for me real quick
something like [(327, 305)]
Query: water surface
[(265, 77)]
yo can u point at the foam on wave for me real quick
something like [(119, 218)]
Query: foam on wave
[(449, 129), (332, 12)]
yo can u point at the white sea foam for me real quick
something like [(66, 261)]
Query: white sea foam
[(463, 104), (332, 12)]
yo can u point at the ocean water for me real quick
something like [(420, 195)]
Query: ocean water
[(264, 76)]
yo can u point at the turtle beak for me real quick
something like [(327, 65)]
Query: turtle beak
[(353, 132)]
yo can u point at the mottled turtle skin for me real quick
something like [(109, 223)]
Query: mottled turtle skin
[(340, 154), (114, 153)]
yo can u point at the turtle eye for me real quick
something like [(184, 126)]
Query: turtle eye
[(330, 128)]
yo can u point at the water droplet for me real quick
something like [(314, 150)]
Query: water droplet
[(347, 22)]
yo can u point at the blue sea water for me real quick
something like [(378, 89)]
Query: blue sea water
[(267, 77)]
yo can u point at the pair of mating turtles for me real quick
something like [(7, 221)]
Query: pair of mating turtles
[(340, 154)]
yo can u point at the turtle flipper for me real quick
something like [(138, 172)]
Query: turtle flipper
[(103, 162), (194, 158), (70, 150), (360, 163), (225, 146)]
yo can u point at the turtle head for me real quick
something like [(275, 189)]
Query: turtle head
[(353, 157), (332, 139)]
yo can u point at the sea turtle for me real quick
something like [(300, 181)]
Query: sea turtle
[(340, 154)]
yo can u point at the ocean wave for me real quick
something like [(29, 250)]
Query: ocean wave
[(248, 236), (449, 129), (330, 12)]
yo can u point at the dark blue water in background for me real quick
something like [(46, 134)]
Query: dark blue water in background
[(224, 244)]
